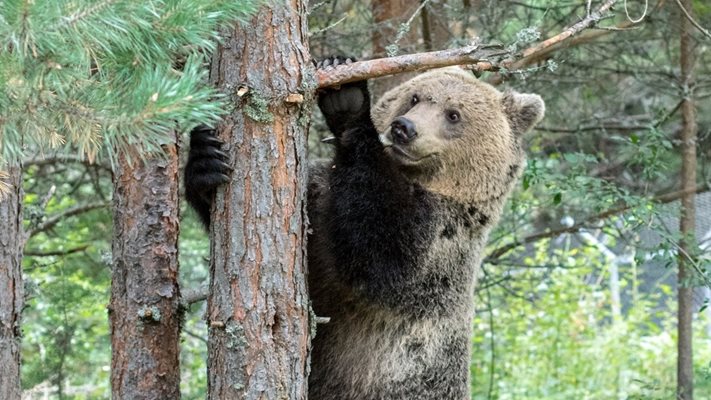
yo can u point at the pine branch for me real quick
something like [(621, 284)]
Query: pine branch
[(83, 14), (100, 74)]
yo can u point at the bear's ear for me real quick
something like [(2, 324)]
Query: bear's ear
[(523, 110)]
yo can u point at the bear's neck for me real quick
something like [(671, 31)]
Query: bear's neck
[(471, 189)]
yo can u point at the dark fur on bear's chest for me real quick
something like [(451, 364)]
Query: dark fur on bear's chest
[(399, 325), (436, 249)]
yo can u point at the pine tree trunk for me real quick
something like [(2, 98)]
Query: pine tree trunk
[(258, 305), (687, 245), (144, 307), (11, 293)]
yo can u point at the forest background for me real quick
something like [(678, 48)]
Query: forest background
[(578, 293)]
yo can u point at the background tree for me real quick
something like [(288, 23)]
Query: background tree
[(687, 222)]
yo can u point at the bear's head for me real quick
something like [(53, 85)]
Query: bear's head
[(457, 136)]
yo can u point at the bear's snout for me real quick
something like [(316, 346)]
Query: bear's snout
[(402, 130)]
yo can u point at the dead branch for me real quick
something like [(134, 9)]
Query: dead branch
[(63, 159), (623, 128), (693, 21), (475, 57), (540, 50), (189, 297), (572, 30), (661, 199), (33, 253), (49, 223), (359, 70)]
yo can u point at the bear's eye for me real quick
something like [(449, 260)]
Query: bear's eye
[(415, 99), (453, 116)]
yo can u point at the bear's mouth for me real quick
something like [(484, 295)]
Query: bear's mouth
[(403, 156)]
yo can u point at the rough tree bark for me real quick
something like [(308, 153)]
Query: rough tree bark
[(687, 226), (258, 311), (11, 293), (144, 307)]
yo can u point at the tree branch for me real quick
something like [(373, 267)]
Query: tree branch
[(661, 199), (192, 296), (61, 159), (693, 22), (49, 223), (359, 70), (476, 57), (33, 253), (554, 43), (592, 128)]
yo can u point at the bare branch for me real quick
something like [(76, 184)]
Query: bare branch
[(644, 13), (572, 38), (49, 223), (592, 128), (33, 253), (192, 296), (356, 71), (572, 30), (195, 335), (536, 52), (476, 57), (662, 199), (61, 159), (693, 22)]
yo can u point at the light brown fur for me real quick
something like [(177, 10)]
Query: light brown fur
[(475, 166), (412, 342)]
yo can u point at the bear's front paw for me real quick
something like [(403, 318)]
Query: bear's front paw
[(346, 105), (207, 166)]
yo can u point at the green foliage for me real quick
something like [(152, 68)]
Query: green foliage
[(66, 342), (550, 334), (194, 261), (106, 74)]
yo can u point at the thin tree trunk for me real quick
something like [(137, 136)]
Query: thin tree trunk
[(144, 313), (258, 310), (11, 293), (687, 244), (435, 32)]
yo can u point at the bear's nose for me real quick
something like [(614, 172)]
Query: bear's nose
[(402, 130)]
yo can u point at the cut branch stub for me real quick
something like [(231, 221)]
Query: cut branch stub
[(360, 70)]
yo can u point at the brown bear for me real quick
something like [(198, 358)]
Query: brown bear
[(399, 219)]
